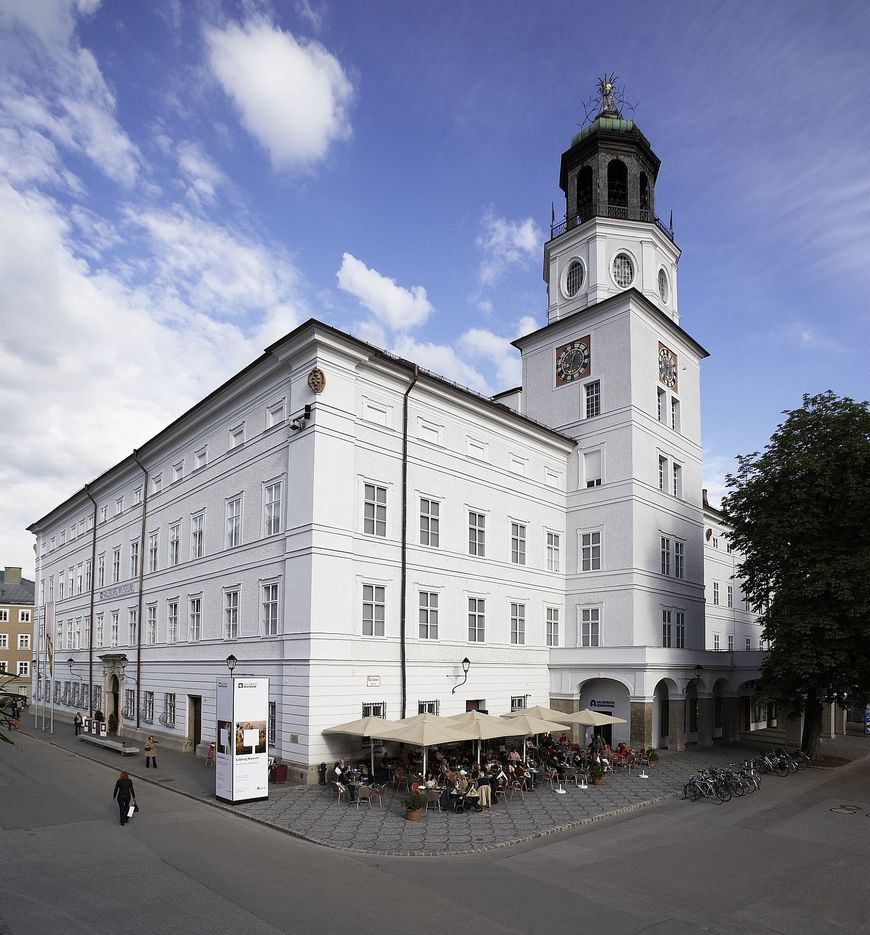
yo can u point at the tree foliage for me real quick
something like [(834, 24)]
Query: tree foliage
[(800, 515)]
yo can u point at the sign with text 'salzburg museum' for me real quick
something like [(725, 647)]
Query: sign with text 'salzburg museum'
[(241, 747)]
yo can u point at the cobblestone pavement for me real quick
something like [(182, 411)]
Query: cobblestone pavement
[(311, 812)]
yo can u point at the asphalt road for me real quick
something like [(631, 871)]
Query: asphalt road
[(790, 859)]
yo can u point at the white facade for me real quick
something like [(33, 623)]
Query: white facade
[(353, 528)]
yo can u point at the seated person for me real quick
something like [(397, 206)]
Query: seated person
[(340, 771), (365, 776), (513, 756)]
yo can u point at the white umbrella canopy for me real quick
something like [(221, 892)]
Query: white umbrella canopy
[(360, 728), (423, 730), (486, 727), (539, 711), (532, 724), (589, 718)]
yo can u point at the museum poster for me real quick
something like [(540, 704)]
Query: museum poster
[(241, 751)]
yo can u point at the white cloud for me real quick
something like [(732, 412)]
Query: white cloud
[(715, 469), (312, 14), (442, 360), (480, 343), (202, 175), (505, 243), (393, 305), (292, 95)]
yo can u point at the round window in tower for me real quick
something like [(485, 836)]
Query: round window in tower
[(664, 288), (573, 278), (623, 270)]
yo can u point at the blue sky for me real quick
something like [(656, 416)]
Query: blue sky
[(182, 182)]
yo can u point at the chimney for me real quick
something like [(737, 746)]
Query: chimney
[(12, 575)]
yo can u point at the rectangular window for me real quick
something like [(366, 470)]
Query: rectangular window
[(663, 473), (716, 642), (270, 609), (200, 459), (430, 522), (69, 634), (197, 535), (428, 707), (177, 472), (715, 592), (24, 641), (677, 480), (273, 722), (152, 550), (114, 634), (129, 703), (592, 468), (80, 577), (375, 511), (715, 542), (428, 615), (174, 544), (171, 621), (373, 610), (116, 565), (194, 619), (518, 544), (374, 709), (231, 615), (134, 558), (234, 522), (151, 624), (272, 508), (593, 399), (237, 436), (476, 534), (98, 630), (133, 626), (60, 585), (4, 637), (748, 644), (169, 709), (675, 414), (157, 483), (553, 551), (665, 543), (730, 595), (590, 626), (476, 620), (518, 624), (679, 559), (148, 712), (730, 642), (24, 668), (518, 702), (590, 551), (667, 628), (101, 571), (275, 415), (661, 402), (680, 633), (552, 626), (119, 506), (88, 570)]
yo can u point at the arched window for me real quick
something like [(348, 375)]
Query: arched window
[(617, 183), (644, 190), (584, 193)]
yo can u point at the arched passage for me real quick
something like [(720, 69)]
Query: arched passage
[(608, 697)]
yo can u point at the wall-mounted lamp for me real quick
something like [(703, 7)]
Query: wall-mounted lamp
[(466, 665), (231, 662), (299, 421)]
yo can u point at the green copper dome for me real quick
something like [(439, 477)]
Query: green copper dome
[(613, 124)]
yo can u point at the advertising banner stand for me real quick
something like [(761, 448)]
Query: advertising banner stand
[(241, 742)]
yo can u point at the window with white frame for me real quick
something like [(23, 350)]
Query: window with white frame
[(679, 559), (728, 547), (275, 414), (24, 641), (200, 458), (730, 593), (675, 414), (197, 535), (151, 624), (24, 668), (715, 542), (169, 709), (679, 629), (269, 606), (428, 615), (272, 508), (665, 547), (476, 534), (518, 544), (430, 522), (592, 472), (60, 585), (234, 523), (129, 703), (101, 571), (51, 587), (518, 702), (77, 634), (3, 665), (157, 483), (661, 403), (134, 558), (716, 646), (148, 711), (114, 636), (132, 626), (80, 577), (590, 626), (553, 551), (63, 537), (428, 707), (231, 614), (663, 473), (4, 615), (552, 626), (194, 619), (98, 630), (119, 506), (373, 609), (69, 633), (667, 628), (172, 621), (593, 399), (715, 592), (177, 472), (374, 510), (730, 642), (237, 436), (116, 565), (677, 480), (590, 551), (174, 544), (273, 723), (153, 541), (4, 637), (476, 619), (518, 624), (88, 570)]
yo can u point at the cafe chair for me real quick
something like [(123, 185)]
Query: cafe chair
[(364, 794), (433, 799), (340, 791), (400, 778)]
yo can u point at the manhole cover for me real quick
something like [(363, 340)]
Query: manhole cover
[(846, 809)]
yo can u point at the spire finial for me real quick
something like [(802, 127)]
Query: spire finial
[(608, 95)]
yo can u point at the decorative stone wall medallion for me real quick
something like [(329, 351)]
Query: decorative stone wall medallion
[(317, 380)]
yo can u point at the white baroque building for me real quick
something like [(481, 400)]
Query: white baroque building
[(355, 527)]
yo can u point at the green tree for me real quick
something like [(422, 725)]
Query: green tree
[(800, 514)]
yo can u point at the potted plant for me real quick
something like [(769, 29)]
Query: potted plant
[(98, 716), (596, 774), (113, 724), (415, 802), (652, 755)]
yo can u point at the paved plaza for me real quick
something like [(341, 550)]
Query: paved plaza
[(311, 812)]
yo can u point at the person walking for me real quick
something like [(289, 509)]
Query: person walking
[(77, 722), (150, 752), (124, 793)]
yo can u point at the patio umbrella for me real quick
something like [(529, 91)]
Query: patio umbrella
[(589, 718), (423, 730), (360, 728), (532, 724), (546, 714), (486, 727)]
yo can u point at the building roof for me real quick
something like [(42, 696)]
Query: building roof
[(617, 124), (16, 592)]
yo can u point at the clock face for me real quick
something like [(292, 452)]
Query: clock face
[(573, 361), (667, 367)]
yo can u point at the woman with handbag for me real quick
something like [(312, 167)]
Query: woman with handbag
[(125, 795), (150, 752)]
